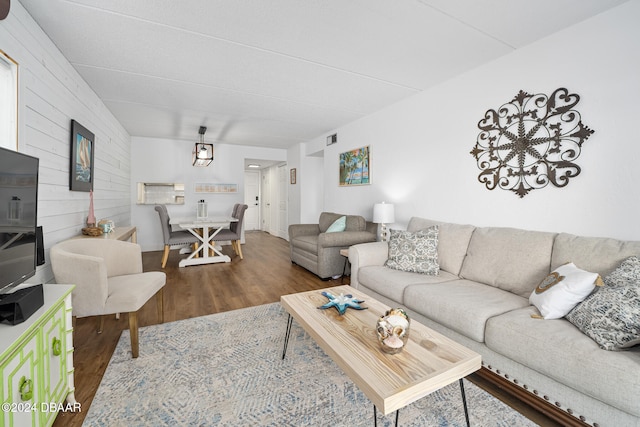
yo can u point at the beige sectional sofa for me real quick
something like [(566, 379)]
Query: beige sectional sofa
[(480, 299)]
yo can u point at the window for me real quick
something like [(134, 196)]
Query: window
[(8, 102)]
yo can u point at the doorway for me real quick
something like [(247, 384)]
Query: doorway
[(266, 196)]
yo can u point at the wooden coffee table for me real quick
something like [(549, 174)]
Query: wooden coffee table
[(428, 362)]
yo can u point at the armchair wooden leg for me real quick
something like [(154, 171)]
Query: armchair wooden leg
[(165, 255), (160, 303), (133, 330), (101, 326)]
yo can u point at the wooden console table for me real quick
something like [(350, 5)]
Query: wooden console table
[(123, 233)]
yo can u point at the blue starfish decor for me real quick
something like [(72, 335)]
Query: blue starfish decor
[(342, 302)]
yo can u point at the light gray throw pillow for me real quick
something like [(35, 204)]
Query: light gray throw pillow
[(415, 252)]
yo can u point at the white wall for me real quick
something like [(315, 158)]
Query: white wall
[(420, 147), (51, 93), (163, 160), (312, 169), (306, 195), (294, 161)]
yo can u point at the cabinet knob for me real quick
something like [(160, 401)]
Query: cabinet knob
[(26, 389), (56, 346)]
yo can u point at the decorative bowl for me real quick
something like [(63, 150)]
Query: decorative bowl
[(92, 231), (393, 330)]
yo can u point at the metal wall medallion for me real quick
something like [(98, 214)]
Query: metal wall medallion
[(530, 142)]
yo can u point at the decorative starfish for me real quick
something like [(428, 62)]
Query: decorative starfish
[(342, 302)]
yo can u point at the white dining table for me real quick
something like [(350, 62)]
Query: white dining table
[(205, 229)]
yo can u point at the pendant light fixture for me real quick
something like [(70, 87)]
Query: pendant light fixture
[(202, 153)]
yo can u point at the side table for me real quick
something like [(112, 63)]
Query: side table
[(345, 253)]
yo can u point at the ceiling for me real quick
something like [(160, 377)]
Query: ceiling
[(274, 73)]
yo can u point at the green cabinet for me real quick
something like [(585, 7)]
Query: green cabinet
[(36, 363)]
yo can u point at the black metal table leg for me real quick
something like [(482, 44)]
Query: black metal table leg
[(344, 270), (375, 416), (464, 403), (286, 336)]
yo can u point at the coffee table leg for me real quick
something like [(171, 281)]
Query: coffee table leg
[(464, 403), (286, 336), (375, 416)]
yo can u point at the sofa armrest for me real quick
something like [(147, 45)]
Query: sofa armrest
[(344, 239), (88, 273), (366, 254), (296, 230)]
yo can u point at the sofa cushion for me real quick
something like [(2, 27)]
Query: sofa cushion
[(415, 252), (130, 292), (562, 290), (511, 259), (461, 305), (453, 240), (392, 283), (352, 222), (559, 350), (600, 255), (611, 316)]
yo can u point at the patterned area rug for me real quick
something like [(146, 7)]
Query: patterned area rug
[(227, 370)]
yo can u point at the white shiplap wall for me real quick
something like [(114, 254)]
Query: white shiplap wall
[(51, 93)]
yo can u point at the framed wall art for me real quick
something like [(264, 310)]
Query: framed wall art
[(82, 158), (292, 176), (355, 167)]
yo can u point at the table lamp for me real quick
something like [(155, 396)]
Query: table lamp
[(383, 214)]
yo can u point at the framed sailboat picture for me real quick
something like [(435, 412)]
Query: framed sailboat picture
[(82, 155)]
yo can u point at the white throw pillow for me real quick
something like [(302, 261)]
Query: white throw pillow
[(562, 290)]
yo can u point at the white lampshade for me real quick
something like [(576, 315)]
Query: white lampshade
[(383, 213)]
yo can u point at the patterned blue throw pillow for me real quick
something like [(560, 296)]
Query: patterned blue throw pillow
[(415, 252), (611, 316)]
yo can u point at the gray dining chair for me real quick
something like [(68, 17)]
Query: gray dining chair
[(172, 238), (234, 232)]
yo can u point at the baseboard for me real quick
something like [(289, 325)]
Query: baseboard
[(538, 403)]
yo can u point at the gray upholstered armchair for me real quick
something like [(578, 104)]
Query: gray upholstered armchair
[(318, 251)]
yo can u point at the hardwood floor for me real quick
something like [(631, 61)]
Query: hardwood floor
[(264, 274)]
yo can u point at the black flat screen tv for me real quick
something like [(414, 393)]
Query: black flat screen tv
[(18, 218)]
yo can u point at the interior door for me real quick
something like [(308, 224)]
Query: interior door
[(252, 200)]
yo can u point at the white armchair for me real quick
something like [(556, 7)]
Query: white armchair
[(109, 279)]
